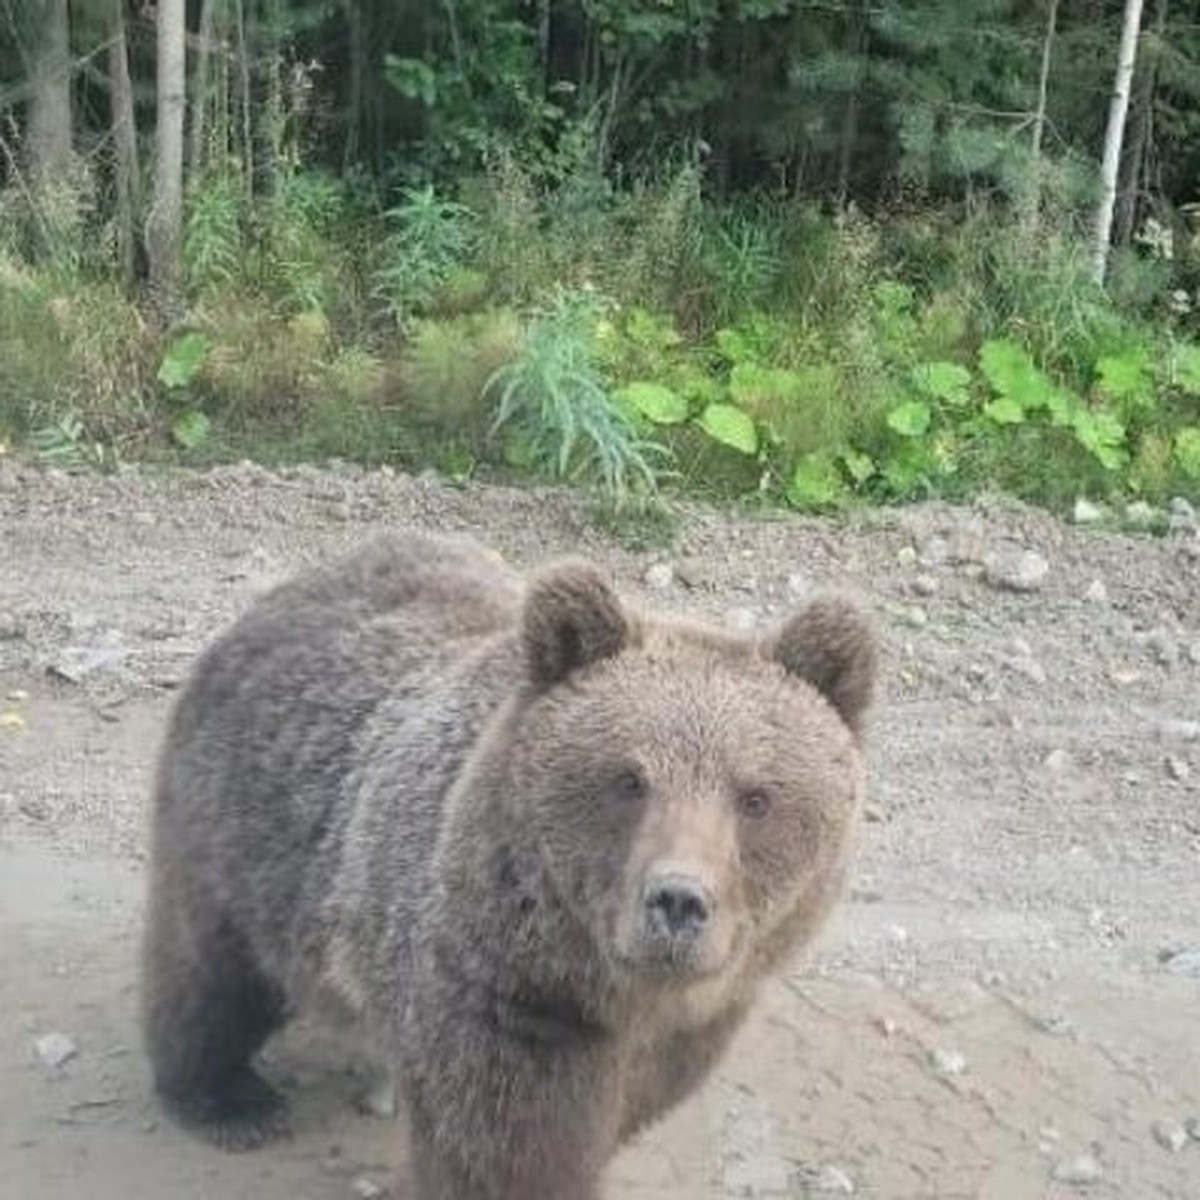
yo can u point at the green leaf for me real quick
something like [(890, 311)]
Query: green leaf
[(653, 401), (859, 466), (728, 425), (1005, 411), (1187, 368), (756, 387), (1013, 375), (910, 419), (816, 482), (734, 346), (190, 428), (1125, 377), (1103, 436), (183, 360), (943, 381), (1187, 451)]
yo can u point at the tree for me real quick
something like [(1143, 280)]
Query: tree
[(127, 175), (48, 133), (166, 216), (1113, 137)]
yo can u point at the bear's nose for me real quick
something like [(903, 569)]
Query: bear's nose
[(678, 906)]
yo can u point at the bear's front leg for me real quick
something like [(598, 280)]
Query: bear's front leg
[(508, 1109)]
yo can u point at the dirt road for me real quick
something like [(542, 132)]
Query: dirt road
[(1005, 1007)]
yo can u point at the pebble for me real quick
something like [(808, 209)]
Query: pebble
[(913, 615), (832, 1181), (741, 620), (906, 556), (10, 626), (1192, 1125), (660, 576), (1016, 571), (380, 1100), (1096, 592), (692, 574), (1087, 513), (55, 1049), (1178, 768), (365, 1188), (1079, 1171), (925, 585), (798, 586), (1162, 646), (1170, 1135), (1184, 962), (933, 552), (1141, 515), (947, 1062), (1194, 653), (1058, 761)]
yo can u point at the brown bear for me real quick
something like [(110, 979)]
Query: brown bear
[(544, 846)]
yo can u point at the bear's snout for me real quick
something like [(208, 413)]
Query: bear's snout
[(678, 906)]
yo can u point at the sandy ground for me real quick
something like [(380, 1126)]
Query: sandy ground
[(1007, 1005)]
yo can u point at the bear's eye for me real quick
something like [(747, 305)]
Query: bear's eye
[(754, 803), (629, 784)]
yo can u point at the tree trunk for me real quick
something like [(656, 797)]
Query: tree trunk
[(124, 135), (208, 26), (48, 133), (1033, 194), (1142, 123), (166, 216), (247, 120), (1113, 136), (358, 54)]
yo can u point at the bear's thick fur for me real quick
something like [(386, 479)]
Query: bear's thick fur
[(544, 846)]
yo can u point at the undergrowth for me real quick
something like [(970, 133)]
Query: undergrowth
[(633, 339)]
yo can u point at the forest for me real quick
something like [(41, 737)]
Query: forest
[(809, 253)]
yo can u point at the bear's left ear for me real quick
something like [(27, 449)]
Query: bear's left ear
[(572, 619), (831, 644)]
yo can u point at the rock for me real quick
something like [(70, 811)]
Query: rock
[(1184, 962), (1176, 728), (365, 1188), (967, 543), (1080, 1172), (660, 576), (1162, 647), (1194, 653), (1087, 513), (379, 1101), (933, 552), (798, 587), (1142, 516), (1096, 592), (1178, 768), (741, 620), (912, 615), (11, 626), (1192, 1125), (906, 556), (1058, 761), (1170, 1135), (1182, 510), (832, 1181), (925, 585), (55, 1049), (692, 574), (947, 1062), (1016, 571)]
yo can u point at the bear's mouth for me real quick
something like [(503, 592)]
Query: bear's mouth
[(681, 959)]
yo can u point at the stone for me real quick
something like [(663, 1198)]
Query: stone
[(1184, 962), (660, 576), (1087, 513), (925, 585), (365, 1188), (11, 626), (947, 1062), (55, 1049), (1016, 571), (1058, 761), (1079, 1172), (1142, 516), (1096, 592), (1178, 768), (1170, 1135), (906, 556), (832, 1181)]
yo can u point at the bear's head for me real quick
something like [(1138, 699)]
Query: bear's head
[(690, 793)]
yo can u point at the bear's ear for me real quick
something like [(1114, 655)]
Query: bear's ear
[(831, 644), (572, 618)]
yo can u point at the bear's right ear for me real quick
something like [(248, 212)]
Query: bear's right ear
[(832, 645), (572, 618)]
